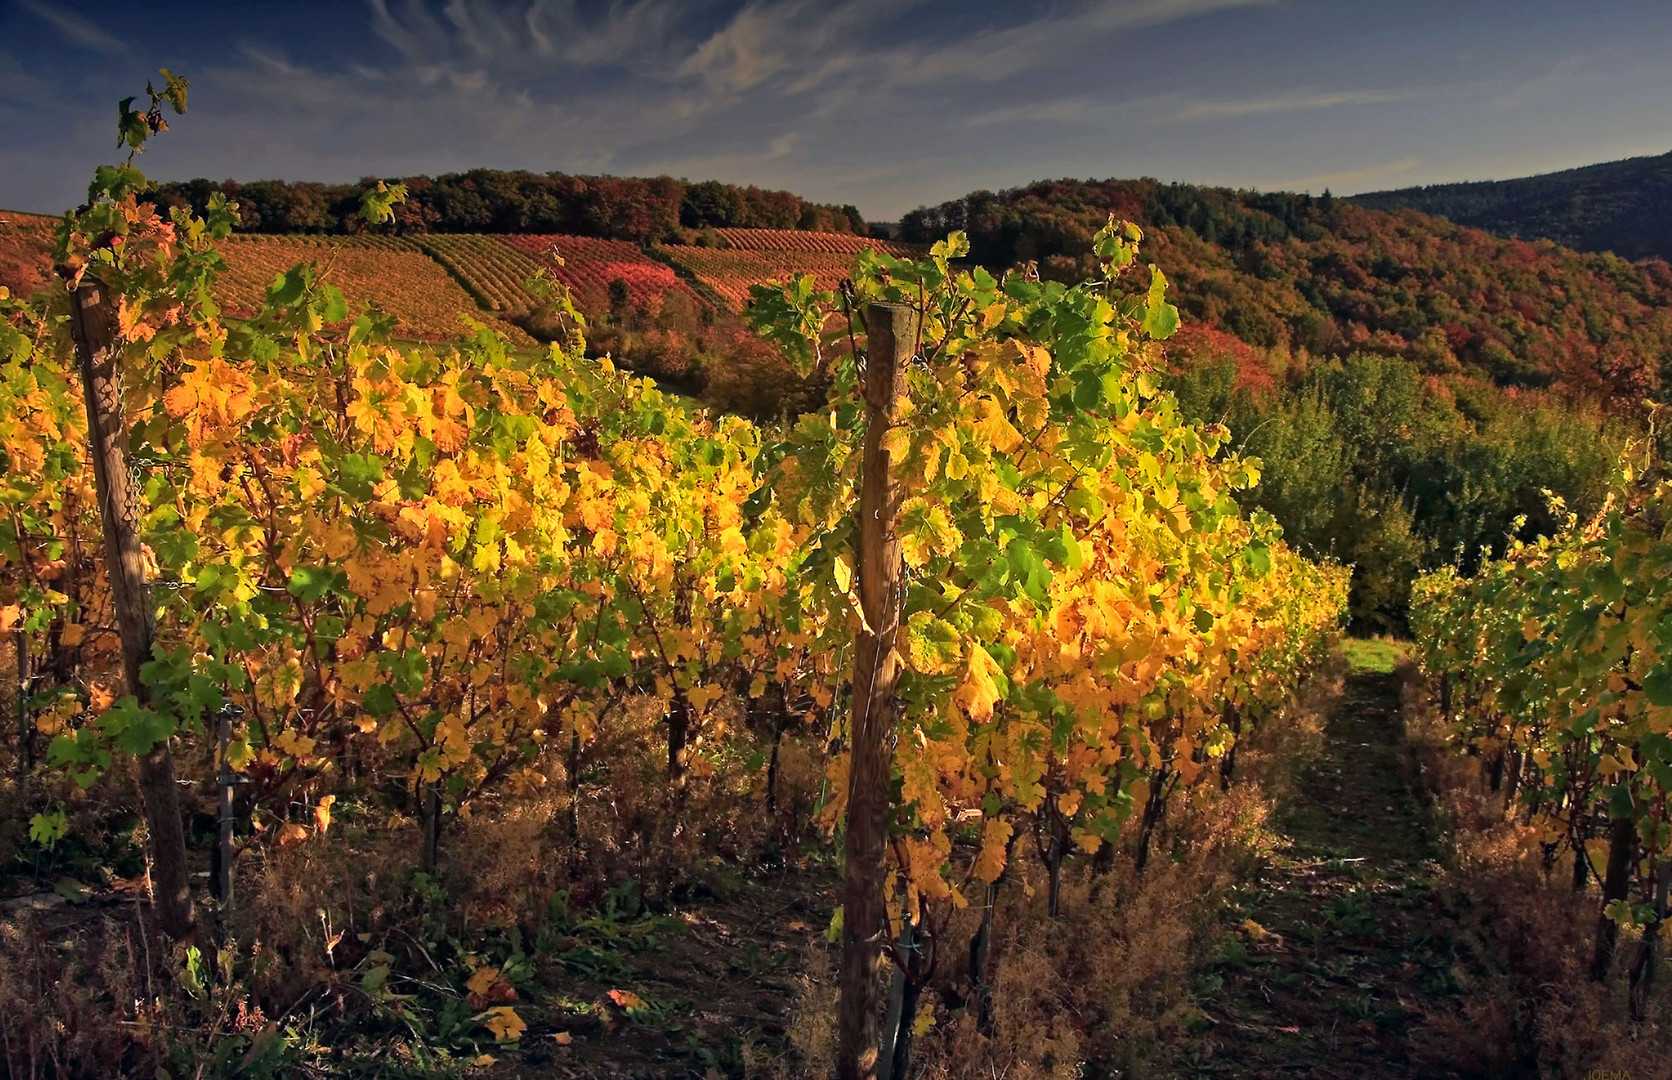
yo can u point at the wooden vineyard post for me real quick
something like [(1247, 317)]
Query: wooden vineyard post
[(429, 819), (98, 352), (25, 741), (1228, 763), (891, 338), (226, 780), (1616, 884)]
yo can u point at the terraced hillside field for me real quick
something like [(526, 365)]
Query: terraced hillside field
[(491, 270), (390, 272), (588, 266), (25, 251), (427, 282), (729, 272), (814, 242)]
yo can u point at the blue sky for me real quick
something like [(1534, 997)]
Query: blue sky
[(887, 104)]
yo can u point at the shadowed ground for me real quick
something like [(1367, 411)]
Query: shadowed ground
[(1347, 940)]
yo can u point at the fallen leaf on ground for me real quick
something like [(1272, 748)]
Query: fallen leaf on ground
[(505, 1024), (627, 999)]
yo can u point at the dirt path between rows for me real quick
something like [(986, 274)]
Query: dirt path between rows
[(1344, 942)]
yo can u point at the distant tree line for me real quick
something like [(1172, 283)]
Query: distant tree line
[(1620, 206), (653, 210)]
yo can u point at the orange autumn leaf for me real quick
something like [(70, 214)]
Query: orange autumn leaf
[(505, 1024), (322, 812), (628, 1000)]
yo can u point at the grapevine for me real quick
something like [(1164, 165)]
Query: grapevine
[(1555, 669)]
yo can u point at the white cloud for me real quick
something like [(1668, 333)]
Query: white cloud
[(524, 39), (77, 30), (1062, 111), (1303, 101), (1351, 177), (1046, 43), (883, 103)]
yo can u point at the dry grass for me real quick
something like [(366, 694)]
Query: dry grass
[(74, 994), (1106, 987)]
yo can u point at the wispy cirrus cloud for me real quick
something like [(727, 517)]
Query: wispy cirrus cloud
[(77, 30), (1064, 111), (1301, 101), (1348, 178), (883, 103)]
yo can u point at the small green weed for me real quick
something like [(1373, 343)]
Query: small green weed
[(1375, 656)]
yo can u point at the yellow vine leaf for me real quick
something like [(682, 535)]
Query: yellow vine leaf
[(293, 745), (322, 812), (994, 836), (1596, 851), (505, 1024), (979, 690), (701, 697), (842, 568), (279, 686), (932, 645), (482, 979)]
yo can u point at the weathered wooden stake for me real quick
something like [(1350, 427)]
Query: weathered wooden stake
[(981, 945), (99, 351), (680, 714), (429, 814), (25, 738), (1228, 764), (574, 769), (1616, 882), (1154, 808), (221, 880), (891, 337)]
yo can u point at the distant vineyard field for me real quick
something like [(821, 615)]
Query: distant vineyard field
[(404, 281), (589, 265), (729, 271), (491, 270), (428, 281), (815, 242), (25, 251)]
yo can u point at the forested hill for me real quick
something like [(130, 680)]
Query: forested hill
[(1619, 206), (1294, 273), (654, 210)]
